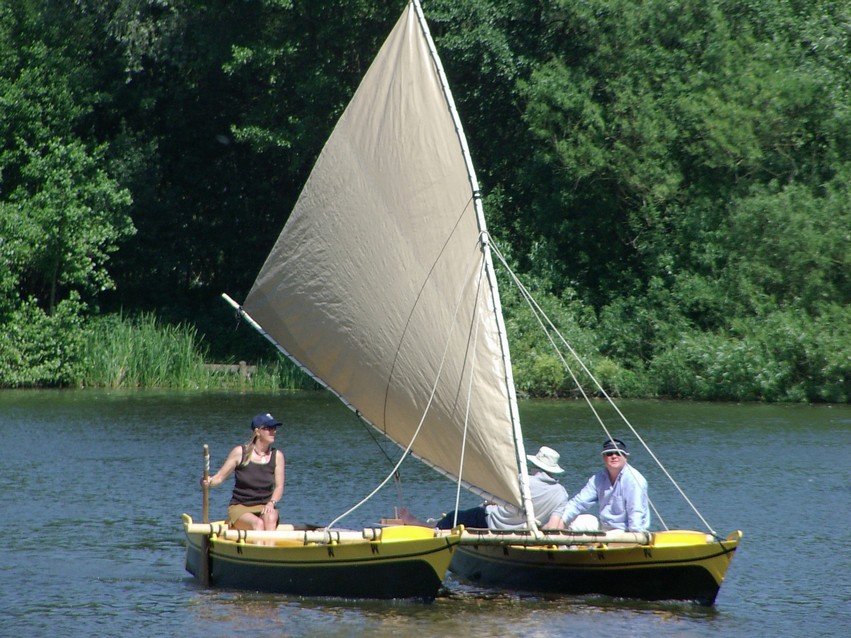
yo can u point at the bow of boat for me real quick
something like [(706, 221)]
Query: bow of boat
[(669, 565)]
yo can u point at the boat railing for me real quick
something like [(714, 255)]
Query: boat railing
[(467, 536), (221, 531), (553, 537)]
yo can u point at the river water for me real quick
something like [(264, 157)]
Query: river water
[(92, 486)]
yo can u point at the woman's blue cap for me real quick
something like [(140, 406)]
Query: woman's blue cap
[(264, 420)]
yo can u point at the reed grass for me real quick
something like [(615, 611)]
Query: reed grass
[(140, 353), (143, 352)]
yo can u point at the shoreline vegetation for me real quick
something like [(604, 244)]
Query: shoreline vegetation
[(670, 179), (120, 352)]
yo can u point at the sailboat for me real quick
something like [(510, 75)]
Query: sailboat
[(381, 287)]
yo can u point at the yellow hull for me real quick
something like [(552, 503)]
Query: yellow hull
[(675, 565), (405, 562)]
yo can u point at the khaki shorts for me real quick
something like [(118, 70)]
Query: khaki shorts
[(236, 511)]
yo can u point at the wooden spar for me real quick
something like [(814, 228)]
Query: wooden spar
[(309, 536), (204, 567), (549, 538)]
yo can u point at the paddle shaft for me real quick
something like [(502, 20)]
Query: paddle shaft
[(205, 541), (206, 507)]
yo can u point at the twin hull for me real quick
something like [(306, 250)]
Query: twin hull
[(677, 565), (399, 568)]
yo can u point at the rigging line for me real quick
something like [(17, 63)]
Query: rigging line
[(372, 431), (474, 319), (422, 419), (537, 313), (537, 309), (652, 504)]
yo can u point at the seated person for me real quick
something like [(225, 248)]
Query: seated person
[(548, 496), (258, 468), (619, 490)]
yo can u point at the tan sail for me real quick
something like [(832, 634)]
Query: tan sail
[(376, 284)]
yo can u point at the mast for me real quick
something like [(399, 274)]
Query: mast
[(517, 431)]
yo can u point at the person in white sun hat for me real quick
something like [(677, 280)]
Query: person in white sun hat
[(548, 496)]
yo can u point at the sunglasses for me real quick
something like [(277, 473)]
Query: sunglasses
[(608, 454)]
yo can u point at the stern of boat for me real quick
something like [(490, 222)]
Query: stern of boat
[(670, 565)]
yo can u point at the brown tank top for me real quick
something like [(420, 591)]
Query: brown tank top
[(255, 482)]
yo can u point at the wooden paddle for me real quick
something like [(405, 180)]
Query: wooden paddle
[(206, 508), (205, 541)]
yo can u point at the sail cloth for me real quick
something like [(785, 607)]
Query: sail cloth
[(377, 274)]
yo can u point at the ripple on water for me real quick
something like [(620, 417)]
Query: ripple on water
[(94, 544)]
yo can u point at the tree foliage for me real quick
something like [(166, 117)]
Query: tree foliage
[(673, 176), (62, 212), (690, 177)]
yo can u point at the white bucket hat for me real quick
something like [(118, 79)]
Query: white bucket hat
[(546, 459)]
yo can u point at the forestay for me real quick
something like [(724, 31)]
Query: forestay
[(378, 283)]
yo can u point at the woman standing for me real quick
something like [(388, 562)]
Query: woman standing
[(259, 477)]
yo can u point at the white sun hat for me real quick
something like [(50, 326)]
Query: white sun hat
[(546, 459)]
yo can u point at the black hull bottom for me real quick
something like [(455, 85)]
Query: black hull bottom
[(374, 575), (647, 582), (414, 579)]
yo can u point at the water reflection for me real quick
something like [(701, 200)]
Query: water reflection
[(455, 613)]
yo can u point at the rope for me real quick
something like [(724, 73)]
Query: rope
[(422, 419), (469, 392), (550, 329), (397, 476)]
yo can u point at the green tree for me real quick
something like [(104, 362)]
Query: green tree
[(691, 169), (61, 212)]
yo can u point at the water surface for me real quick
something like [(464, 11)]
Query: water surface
[(92, 485)]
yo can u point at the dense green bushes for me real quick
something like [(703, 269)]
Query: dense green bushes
[(114, 352), (673, 176), (768, 360), (40, 349), (783, 357)]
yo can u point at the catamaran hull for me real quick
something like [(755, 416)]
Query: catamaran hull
[(404, 568), (676, 566)]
